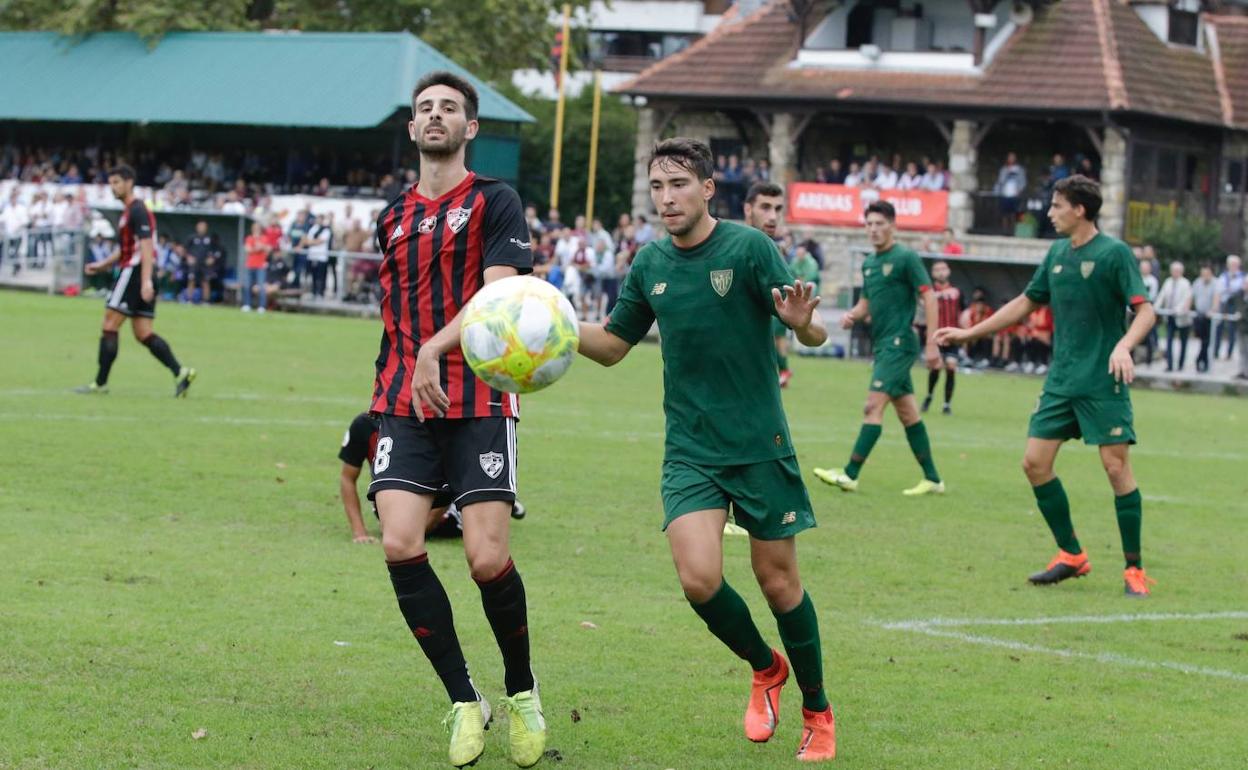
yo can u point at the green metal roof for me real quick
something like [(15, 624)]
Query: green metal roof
[(304, 79)]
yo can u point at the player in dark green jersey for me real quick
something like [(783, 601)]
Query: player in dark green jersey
[(764, 203), (893, 279), (1089, 280), (714, 287)]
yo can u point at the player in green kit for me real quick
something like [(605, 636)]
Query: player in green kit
[(714, 287), (764, 202), (1089, 280), (893, 278)]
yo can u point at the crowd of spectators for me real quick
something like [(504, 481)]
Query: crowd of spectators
[(879, 173)]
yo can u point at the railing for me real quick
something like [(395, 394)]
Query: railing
[(42, 258)]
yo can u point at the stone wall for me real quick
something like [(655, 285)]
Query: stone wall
[(1113, 182)]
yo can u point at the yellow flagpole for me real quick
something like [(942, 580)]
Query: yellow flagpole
[(557, 162), (593, 146)]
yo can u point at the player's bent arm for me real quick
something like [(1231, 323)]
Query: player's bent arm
[(1145, 317), (855, 314), (1011, 313), (147, 259), (600, 345), (351, 499)]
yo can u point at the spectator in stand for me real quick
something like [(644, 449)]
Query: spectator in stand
[(764, 171), (645, 231), (233, 204), (1204, 301), (553, 223), (255, 270), (316, 244), (334, 244), (1174, 303), (749, 172), (951, 246), (911, 179), (1058, 170), (1230, 283), (39, 244), (1039, 344), (933, 180), (854, 177), (1010, 186), (1089, 170), (543, 254), (623, 225), (835, 174), (1152, 286), (100, 250), (535, 224), (886, 178), (299, 227), (14, 219), (201, 263)]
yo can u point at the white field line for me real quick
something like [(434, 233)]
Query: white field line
[(938, 628)]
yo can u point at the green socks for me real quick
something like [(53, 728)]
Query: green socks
[(867, 436), (799, 631), (1130, 510), (917, 436), (728, 618), (1055, 508)]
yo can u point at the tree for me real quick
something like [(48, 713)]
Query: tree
[(1189, 239), (613, 190), (490, 38)]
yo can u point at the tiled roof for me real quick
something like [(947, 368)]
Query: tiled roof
[(1076, 55)]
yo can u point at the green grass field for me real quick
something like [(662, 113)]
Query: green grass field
[(176, 566)]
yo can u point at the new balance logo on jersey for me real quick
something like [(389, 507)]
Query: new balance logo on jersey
[(1057, 269), (658, 289), (790, 517), (398, 231)]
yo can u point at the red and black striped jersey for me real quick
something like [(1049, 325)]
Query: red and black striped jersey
[(137, 224), (948, 305), (434, 256)]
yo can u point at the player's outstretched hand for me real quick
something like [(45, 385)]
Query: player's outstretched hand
[(364, 539), (426, 386), (951, 335), (1122, 365), (796, 304)]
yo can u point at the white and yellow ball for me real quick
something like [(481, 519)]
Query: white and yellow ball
[(519, 334)]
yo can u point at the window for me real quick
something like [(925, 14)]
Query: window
[(1183, 27), (1235, 175), (1167, 169)]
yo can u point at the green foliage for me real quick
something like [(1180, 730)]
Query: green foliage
[(1189, 239), (488, 37), (613, 191)]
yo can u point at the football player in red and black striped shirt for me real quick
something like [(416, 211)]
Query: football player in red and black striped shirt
[(133, 296), (441, 241), (949, 305)]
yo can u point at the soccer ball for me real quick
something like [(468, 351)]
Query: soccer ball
[(519, 334)]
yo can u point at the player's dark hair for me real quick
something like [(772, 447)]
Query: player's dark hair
[(450, 80), (689, 154), (1078, 190), (770, 189), (123, 171), (884, 209)]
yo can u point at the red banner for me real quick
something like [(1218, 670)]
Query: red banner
[(811, 203)]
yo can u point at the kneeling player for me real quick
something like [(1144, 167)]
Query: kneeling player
[(134, 294), (1088, 279), (713, 287), (359, 445)]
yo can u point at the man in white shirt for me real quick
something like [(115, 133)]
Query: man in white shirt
[(1174, 302), (854, 177), (317, 242), (1152, 287), (40, 242), (886, 178), (1204, 302), (14, 219), (912, 179), (933, 179), (1230, 283)]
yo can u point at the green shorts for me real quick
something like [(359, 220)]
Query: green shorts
[(768, 499), (891, 373), (1097, 420)]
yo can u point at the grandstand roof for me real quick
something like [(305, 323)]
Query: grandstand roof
[(1077, 55), (297, 79)]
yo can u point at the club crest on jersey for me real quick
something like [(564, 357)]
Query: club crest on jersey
[(457, 218), (427, 224), (887, 270), (721, 281), (492, 464), (1086, 268)]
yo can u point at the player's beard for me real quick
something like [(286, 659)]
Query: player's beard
[(446, 146), (685, 227)]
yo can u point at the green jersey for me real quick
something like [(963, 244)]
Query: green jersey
[(1089, 289), (714, 307), (891, 283)]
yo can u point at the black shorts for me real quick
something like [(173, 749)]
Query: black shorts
[(126, 296), (949, 351), (475, 456)]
